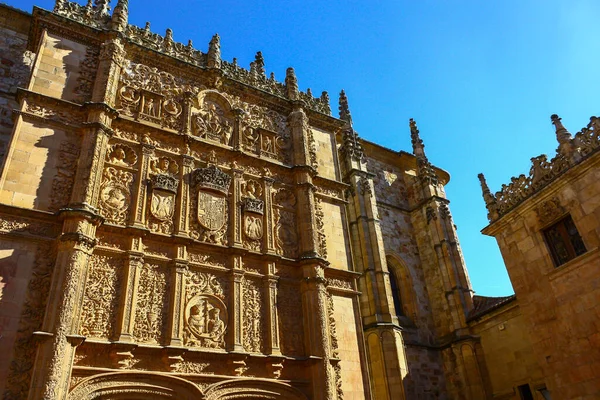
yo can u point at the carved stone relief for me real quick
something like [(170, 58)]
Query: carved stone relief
[(253, 318), (321, 238), (289, 308), (115, 195), (212, 211), (149, 94), (253, 210), (212, 123), (62, 184), (121, 155), (152, 304), (205, 313), (163, 172), (286, 236), (101, 296)]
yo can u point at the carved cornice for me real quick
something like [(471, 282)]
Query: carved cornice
[(570, 153)]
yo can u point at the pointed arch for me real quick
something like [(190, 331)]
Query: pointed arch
[(403, 292), (128, 385)]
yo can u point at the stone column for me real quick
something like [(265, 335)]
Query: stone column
[(314, 300), (236, 307), (270, 284), (126, 320)]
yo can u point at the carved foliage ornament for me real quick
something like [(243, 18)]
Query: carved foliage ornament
[(286, 237), (100, 296), (152, 303), (549, 211)]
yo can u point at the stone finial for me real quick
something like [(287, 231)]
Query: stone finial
[(562, 134), (291, 84), (325, 101), (489, 199), (351, 146), (566, 147), (120, 15), (344, 108), (59, 5), (168, 40), (259, 63), (425, 170), (102, 8), (214, 52), (417, 143), (147, 28)]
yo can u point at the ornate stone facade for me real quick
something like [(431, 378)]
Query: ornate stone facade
[(176, 226)]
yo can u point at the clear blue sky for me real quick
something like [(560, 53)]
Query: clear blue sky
[(480, 78)]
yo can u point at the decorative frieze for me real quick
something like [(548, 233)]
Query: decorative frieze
[(101, 296), (152, 304)]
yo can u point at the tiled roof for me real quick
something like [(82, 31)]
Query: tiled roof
[(483, 305)]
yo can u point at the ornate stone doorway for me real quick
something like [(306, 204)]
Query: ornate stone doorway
[(134, 386), (155, 386)]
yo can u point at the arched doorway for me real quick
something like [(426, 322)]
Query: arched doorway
[(250, 389), (134, 386)]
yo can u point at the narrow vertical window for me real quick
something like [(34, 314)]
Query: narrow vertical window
[(396, 294), (564, 241)]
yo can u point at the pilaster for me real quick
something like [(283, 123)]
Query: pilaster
[(178, 270), (314, 302), (126, 319), (236, 305), (141, 188), (270, 283), (236, 209), (182, 223)]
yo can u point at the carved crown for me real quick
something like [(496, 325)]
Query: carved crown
[(165, 182), (213, 178), (254, 205)]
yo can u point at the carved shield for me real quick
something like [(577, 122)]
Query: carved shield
[(212, 210), (162, 205), (253, 227)]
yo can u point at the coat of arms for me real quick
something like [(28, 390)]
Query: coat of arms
[(162, 205), (212, 201), (211, 210)]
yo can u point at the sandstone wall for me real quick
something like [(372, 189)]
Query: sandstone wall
[(560, 304)]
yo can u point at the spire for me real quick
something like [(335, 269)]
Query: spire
[(490, 200), (120, 15), (214, 52), (425, 170), (325, 101), (344, 108), (417, 143), (351, 145), (291, 84), (259, 63)]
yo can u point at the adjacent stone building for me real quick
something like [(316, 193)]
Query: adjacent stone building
[(173, 225)]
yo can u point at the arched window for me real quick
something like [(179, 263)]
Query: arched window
[(396, 295), (402, 292)]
